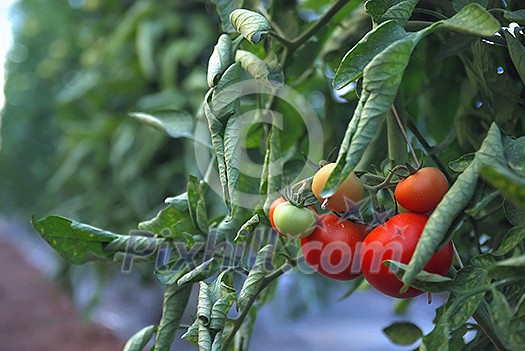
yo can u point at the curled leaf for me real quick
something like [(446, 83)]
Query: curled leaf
[(220, 59), (252, 64), (250, 24), (255, 278)]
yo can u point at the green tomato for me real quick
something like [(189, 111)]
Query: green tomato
[(293, 221)]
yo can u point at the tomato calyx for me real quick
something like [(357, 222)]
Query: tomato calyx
[(299, 194)]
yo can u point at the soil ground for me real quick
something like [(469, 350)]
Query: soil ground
[(36, 315)]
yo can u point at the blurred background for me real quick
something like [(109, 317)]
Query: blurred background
[(74, 70)]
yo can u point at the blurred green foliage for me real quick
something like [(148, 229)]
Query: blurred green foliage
[(74, 74), (68, 143)]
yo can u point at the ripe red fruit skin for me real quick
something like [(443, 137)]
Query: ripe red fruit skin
[(332, 249), (397, 240), (422, 191), (274, 204)]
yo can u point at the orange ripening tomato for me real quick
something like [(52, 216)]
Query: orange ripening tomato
[(348, 195)]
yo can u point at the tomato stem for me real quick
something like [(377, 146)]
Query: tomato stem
[(401, 126), (396, 146), (456, 254), (428, 149)]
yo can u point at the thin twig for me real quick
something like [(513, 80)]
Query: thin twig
[(402, 128), (428, 149), (327, 16), (456, 254)]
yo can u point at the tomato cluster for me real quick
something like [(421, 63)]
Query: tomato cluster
[(343, 250)]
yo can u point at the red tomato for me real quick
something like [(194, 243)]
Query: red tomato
[(332, 249), (422, 191), (396, 240), (274, 204)]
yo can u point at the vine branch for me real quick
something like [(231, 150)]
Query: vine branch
[(267, 281), (325, 18)]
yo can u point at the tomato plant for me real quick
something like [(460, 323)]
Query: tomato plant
[(422, 191), (239, 101), (396, 240), (333, 247)]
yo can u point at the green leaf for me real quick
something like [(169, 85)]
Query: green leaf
[(192, 334), (169, 273), (172, 221), (354, 62), (403, 333), (203, 271), (138, 341), (251, 25), (205, 339), (458, 5), (232, 157), (204, 304), (384, 10), (424, 281), (276, 71), (256, 67), (512, 268), (454, 201), (217, 341), (515, 16), (224, 125), (381, 80), (197, 204), (220, 59), (224, 101), (273, 167), (437, 340), (246, 229), (473, 19), (175, 301), (477, 210), (223, 296), (224, 9), (462, 302), (514, 214), (512, 239), (175, 124), (517, 53), (515, 154), (509, 183), (215, 300), (461, 163), (256, 276), (76, 242), (511, 332)]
